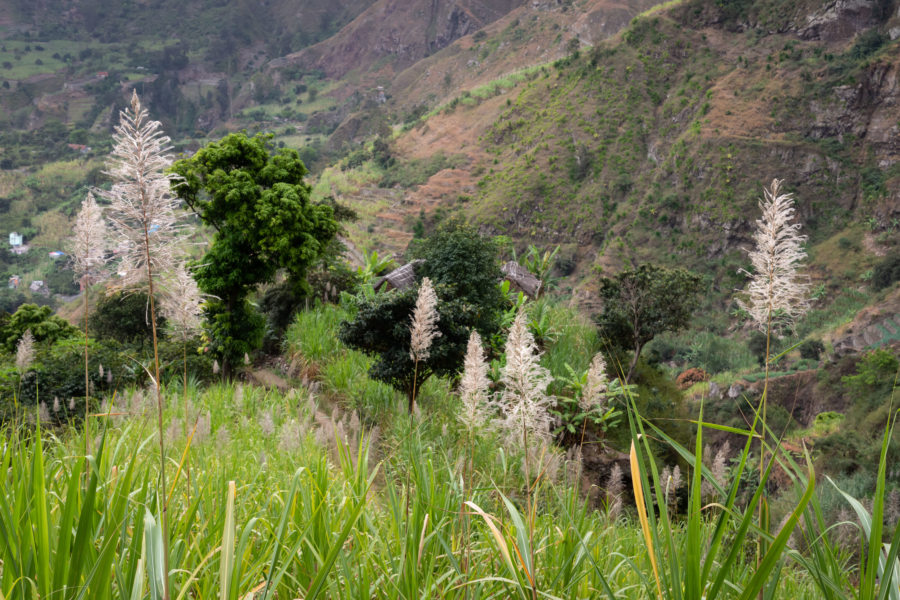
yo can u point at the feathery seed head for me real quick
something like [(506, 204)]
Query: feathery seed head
[(424, 322), (524, 400), (181, 303), (473, 385), (594, 393), (775, 286), (89, 242), (615, 488), (142, 209), (25, 351)]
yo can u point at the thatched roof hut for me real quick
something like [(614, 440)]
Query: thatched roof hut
[(521, 279), (399, 279)]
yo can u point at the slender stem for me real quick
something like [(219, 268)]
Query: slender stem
[(412, 399), (159, 398), (528, 507), (87, 383), (762, 440), (187, 456)]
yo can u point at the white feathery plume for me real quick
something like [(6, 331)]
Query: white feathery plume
[(594, 393), (524, 400), (615, 488), (25, 351), (88, 243), (181, 302), (144, 218), (142, 208), (473, 385), (424, 322), (775, 286)]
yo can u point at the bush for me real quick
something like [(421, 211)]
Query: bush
[(124, 318), (58, 373), (811, 349), (690, 377), (706, 350), (758, 344), (886, 272), (876, 371)]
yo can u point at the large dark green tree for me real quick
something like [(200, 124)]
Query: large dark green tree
[(464, 268), (641, 303), (258, 204), (44, 325)]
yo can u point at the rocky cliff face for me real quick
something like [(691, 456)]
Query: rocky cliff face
[(394, 34)]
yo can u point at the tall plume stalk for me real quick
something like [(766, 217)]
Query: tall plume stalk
[(593, 395), (526, 406), (89, 241), (182, 306), (422, 331), (473, 392), (776, 295), (146, 224)]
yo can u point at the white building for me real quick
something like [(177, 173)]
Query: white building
[(15, 239)]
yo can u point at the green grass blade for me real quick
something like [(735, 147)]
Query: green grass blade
[(227, 563), (337, 545), (776, 548)]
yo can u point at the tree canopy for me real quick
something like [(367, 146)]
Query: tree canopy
[(44, 326), (639, 304), (258, 204)]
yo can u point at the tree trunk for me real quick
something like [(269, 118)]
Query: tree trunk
[(226, 363), (634, 361)]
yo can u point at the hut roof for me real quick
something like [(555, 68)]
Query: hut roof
[(522, 277), (401, 278)]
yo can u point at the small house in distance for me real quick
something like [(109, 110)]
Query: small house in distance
[(401, 278), (13, 282), (521, 279), (38, 287), (15, 239)]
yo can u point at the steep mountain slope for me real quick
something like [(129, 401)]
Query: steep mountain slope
[(393, 34), (656, 146)]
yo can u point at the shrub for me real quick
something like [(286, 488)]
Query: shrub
[(811, 349), (58, 373), (876, 371), (886, 272), (124, 318), (688, 378)]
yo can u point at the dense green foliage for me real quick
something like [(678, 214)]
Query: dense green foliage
[(123, 317), (259, 207), (886, 272), (463, 267), (641, 303), (44, 326)]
